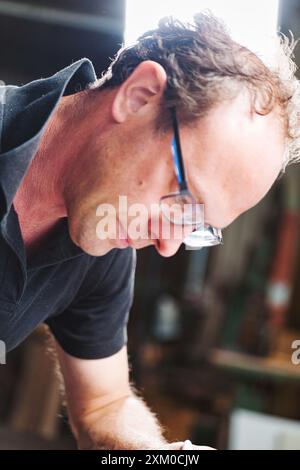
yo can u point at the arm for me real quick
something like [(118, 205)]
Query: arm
[(103, 409), (104, 412)]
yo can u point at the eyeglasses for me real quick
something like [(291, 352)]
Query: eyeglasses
[(181, 208)]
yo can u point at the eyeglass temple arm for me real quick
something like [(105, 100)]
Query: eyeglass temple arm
[(177, 154)]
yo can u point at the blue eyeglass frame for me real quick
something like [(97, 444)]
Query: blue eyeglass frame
[(177, 155)]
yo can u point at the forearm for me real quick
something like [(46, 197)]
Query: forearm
[(126, 423), (104, 411)]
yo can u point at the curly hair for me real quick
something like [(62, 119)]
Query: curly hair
[(205, 66)]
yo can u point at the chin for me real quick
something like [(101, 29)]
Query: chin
[(95, 247), (88, 241)]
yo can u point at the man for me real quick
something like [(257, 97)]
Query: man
[(71, 144)]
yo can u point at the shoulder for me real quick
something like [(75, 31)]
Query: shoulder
[(113, 272), (114, 264)]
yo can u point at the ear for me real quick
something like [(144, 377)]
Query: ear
[(145, 86)]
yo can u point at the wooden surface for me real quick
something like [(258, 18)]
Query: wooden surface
[(273, 367)]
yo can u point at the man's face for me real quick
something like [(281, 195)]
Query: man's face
[(232, 157), (239, 153)]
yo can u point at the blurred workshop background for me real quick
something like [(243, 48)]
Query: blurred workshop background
[(211, 332)]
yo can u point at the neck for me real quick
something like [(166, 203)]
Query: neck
[(41, 199), (63, 169)]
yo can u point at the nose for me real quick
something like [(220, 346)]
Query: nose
[(168, 248), (168, 237)]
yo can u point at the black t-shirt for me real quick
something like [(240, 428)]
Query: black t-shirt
[(84, 299)]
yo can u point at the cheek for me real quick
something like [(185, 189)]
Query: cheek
[(154, 186)]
